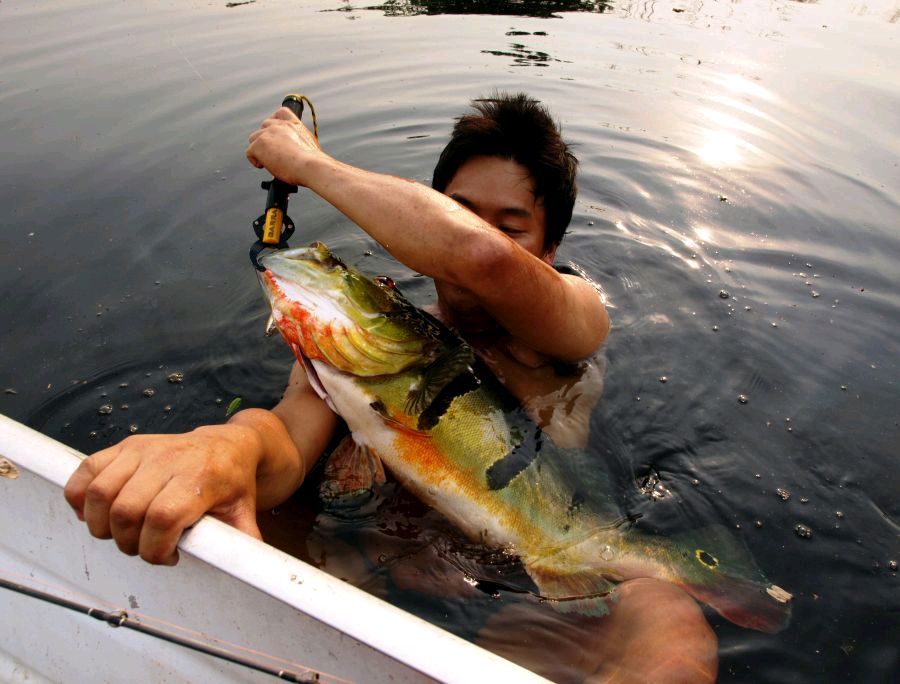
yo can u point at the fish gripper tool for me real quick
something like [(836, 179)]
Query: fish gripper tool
[(274, 228)]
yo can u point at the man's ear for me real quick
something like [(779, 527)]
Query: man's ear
[(550, 254)]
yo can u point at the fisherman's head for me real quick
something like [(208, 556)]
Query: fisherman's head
[(516, 129)]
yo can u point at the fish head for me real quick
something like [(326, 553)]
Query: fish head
[(329, 311)]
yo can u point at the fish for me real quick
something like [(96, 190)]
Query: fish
[(415, 396)]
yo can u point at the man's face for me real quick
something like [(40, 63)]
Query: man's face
[(501, 192)]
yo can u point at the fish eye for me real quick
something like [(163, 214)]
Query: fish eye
[(707, 559)]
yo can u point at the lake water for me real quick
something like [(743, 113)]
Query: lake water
[(739, 204)]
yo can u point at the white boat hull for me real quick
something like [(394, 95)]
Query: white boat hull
[(227, 585)]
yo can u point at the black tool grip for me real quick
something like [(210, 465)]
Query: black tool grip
[(294, 103)]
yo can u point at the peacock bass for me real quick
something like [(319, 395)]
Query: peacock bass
[(413, 393)]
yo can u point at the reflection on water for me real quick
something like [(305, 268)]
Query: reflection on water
[(747, 148)]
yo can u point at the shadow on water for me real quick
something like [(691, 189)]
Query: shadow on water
[(519, 8)]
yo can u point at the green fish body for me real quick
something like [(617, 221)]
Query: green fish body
[(413, 393)]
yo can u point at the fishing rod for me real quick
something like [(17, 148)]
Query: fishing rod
[(119, 618)]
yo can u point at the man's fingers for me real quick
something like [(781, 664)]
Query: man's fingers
[(243, 517), (180, 504), (285, 114), (101, 493), (84, 474)]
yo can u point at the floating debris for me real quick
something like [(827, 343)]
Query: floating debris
[(105, 410), (8, 470), (779, 594), (149, 392), (175, 378), (783, 494), (9, 390), (803, 531), (804, 500), (123, 385), (233, 406)]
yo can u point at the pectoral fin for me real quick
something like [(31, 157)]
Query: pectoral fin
[(351, 473), (438, 375)]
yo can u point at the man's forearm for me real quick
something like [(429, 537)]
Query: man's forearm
[(419, 226)]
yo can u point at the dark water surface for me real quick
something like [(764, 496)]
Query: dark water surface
[(740, 197)]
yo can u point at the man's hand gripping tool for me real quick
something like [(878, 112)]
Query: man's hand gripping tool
[(274, 228)]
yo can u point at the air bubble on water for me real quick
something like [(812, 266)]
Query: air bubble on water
[(132, 428), (149, 392), (123, 385), (758, 476), (892, 565), (758, 524), (783, 494), (804, 500), (123, 407), (167, 408), (724, 294), (219, 401), (743, 399), (803, 531), (175, 378), (105, 410), (715, 328), (695, 482), (844, 387), (815, 294), (664, 379), (839, 514)]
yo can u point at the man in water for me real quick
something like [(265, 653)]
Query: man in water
[(486, 233)]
